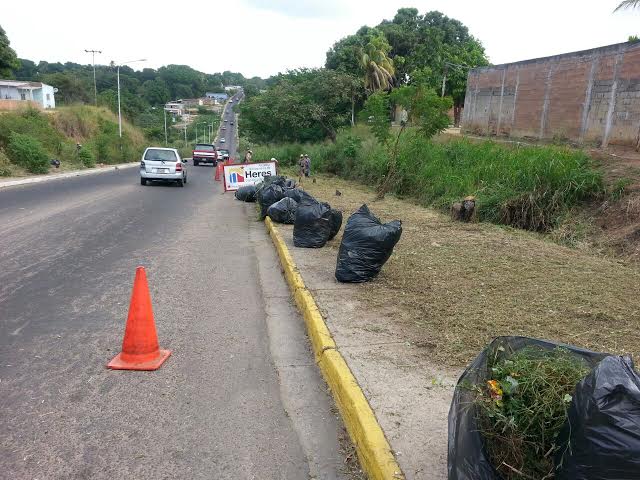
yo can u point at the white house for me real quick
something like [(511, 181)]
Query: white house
[(37, 92), (176, 108)]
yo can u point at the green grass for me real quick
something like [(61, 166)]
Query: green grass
[(528, 187), (523, 407)]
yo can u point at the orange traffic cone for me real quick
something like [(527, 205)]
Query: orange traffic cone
[(218, 171), (140, 349)]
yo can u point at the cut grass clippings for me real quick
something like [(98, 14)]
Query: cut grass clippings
[(460, 285)]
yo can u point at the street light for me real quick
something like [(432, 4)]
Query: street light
[(118, 75), (93, 61)]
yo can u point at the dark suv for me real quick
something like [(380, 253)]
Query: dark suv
[(204, 153)]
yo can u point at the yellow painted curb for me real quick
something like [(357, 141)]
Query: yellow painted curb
[(372, 447)]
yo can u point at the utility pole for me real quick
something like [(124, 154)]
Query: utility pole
[(118, 76), (165, 126), (93, 62)]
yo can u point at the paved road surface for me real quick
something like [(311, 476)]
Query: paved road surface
[(240, 398)]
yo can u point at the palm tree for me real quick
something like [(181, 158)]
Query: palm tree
[(377, 66), (628, 4)]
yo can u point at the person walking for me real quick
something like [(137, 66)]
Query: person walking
[(307, 165), (301, 164)]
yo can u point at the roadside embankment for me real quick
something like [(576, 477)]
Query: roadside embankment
[(78, 137)]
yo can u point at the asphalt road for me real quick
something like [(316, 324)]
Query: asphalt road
[(229, 132), (240, 398)]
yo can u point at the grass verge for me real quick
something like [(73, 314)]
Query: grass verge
[(460, 285)]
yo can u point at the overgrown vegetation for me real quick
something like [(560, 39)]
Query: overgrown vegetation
[(31, 138), (526, 187), (523, 406), (27, 152)]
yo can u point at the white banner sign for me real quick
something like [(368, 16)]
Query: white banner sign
[(236, 176)]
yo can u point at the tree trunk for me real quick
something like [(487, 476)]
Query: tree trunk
[(391, 171), (353, 110), (457, 110)]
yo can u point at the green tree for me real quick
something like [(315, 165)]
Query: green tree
[(8, 58), (302, 105), (425, 109), (376, 114), (377, 66)]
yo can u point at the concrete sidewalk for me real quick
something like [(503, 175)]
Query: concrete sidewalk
[(57, 176), (409, 395)]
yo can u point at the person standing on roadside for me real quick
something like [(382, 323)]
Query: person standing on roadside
[(248, 156), (301, 164), (307, 165)]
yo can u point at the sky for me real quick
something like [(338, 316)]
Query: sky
[(264, 37)]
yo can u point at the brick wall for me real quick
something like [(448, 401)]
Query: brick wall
[(8, 105), (591, 96)]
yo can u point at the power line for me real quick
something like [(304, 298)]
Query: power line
[(93, 61)]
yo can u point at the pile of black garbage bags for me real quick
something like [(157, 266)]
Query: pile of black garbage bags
[(366, 244)]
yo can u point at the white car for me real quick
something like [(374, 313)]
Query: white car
[(222, 140), (163, 164)]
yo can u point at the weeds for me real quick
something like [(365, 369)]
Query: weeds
[(527, 187), (523, 406)]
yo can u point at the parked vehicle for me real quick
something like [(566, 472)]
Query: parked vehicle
[(224, 153), (204, 153), (163, 164)]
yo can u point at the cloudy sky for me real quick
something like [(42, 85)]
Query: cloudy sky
[(263, 37)]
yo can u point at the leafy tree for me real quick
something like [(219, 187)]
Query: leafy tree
[(155, 91), (376, 114), (302, 105), (8, 58), (28, 70), (425, 110)]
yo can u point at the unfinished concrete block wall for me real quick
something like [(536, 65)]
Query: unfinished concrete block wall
[(591, 97)]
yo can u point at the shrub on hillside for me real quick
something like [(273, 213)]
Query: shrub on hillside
[(28, 152), (35, 124), (5, 165), (86, 158)]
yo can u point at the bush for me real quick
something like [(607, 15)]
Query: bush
[(28, 152), (6, 169), (86, 158)]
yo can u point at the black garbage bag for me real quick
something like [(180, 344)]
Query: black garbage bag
[(298, 195), (467, 459), (290, 183), (283, 211), (366, 245), (311, 228), (246, 194), (267, 196), (335, 221), (603, 427)]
